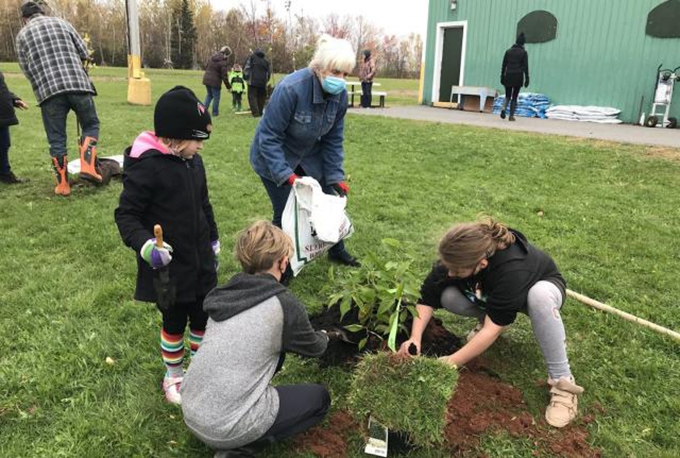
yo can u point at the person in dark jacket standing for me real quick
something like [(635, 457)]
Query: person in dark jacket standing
[(51, 55), (514, 74), (164, 183), (8, 102), (257, 72), (366, 74), (490, 272), (228, 400), (216, 70)]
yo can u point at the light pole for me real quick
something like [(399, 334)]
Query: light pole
[(139, 87), (289, 34)]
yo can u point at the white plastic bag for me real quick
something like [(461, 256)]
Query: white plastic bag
[(74, 166), (314, 221)]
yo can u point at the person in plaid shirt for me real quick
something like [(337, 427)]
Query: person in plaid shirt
[(51, 55)]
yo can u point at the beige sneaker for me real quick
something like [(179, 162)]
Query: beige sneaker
[(563, 405)]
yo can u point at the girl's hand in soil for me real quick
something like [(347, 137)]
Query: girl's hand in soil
[(407, 348)]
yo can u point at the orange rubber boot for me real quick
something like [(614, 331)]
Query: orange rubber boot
[(89, 166), (61, 173)]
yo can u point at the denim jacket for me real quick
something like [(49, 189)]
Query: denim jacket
[(301, 127)]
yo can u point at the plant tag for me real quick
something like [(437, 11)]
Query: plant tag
[(377, 438)]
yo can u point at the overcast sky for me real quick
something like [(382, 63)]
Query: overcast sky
[(395, 17)]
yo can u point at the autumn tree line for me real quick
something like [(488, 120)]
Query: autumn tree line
[(185, 33)]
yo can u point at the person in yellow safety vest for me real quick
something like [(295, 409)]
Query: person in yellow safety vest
[(237, 86)]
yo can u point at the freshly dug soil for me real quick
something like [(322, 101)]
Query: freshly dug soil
[(482, 405), (329, 441), (437, 340)]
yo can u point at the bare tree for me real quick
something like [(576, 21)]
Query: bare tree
[(289, 40), (339, 27)]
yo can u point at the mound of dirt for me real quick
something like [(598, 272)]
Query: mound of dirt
[(483, 405), (329, 441)]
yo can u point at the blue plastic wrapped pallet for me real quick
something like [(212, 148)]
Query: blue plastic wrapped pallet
[(529, 105)]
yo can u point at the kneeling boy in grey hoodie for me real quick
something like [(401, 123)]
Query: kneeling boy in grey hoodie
[(227, 397)]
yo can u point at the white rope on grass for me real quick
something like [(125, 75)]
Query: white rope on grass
[(626, 316)]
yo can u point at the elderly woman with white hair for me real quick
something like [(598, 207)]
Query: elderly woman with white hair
[(302, 132)]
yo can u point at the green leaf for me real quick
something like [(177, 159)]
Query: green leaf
[(333, 298), (354, 327), (345, 306), (367, 294), (385, 306), (362, 342), (382, 329), (392, 339)]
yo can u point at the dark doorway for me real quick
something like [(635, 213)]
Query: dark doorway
[(452, 56)]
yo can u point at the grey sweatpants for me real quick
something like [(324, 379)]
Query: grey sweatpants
[(543, 307)]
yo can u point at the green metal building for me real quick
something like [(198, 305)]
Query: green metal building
[(581, 52)]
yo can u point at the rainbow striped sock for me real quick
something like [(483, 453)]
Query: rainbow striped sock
[(172, 349), (195, 339)]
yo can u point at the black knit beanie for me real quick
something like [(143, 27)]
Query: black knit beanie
[(29, 9), (521, 39), (179, 114)]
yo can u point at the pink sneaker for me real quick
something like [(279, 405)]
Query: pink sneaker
[(171, 386)]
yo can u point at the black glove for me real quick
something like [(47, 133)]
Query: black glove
[(336, 334), (526, 82), (341, 188)]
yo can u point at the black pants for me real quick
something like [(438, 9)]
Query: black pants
[(4, 150), (366, 94), (236, 99), (256, 99), (511, 94), (300, 407), (175, 319)]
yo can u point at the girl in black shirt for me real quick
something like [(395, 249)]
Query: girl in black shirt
[(491, 272)]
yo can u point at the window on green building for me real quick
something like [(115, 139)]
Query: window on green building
[(538, 26), (664, 20)]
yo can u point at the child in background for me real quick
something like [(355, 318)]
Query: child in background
[(229, 401), (237, 86), (8, 102), (164, 183)]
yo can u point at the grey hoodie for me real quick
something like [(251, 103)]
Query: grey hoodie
[(227, 398)]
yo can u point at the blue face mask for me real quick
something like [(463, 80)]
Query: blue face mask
[(333, 85)]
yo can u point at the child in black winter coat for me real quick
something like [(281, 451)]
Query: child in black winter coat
[(8, 102), (164, 183)]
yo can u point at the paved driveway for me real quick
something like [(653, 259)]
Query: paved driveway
[(623, 133)]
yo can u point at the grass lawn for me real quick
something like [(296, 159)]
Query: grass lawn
[(609, 217)]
